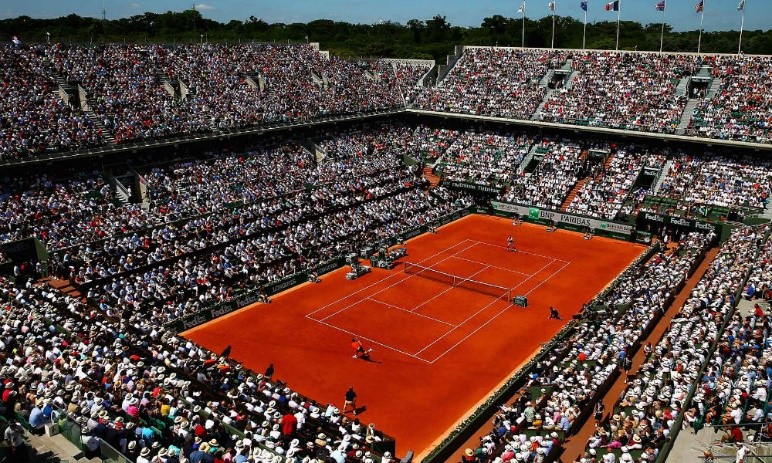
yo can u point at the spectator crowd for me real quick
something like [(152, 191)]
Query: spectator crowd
[(148, 92)]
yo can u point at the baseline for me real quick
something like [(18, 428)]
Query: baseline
[(309, 315)]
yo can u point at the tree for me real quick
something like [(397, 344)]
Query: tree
[(495, 25), (417, 26), (437, 28)]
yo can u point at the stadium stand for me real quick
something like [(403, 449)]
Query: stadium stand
[(631, 91), (740, 107), (68, 98), (654, 401), (35, 119), (224, 222), (736, 181), (549, 184), (501, 82), (563, 389)]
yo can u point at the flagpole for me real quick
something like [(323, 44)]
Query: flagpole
[(522, 38), (619, 14), (554, 7), (584, 33), (742, 24), (662, 32), (702, 16)]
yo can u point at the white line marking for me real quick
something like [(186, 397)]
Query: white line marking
[(413, 275), (493, 266), (534, 274), (495, 316), (471, 334), (548, 278), (369, 340), (449, 288), (409, 311), (459, 325), (381, 281), (413, 311), (520, 251), (388, 287), (433, 297)]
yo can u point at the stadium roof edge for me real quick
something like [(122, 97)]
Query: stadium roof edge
[(137, 145), (144, 145), (579, 50), (602, 130)]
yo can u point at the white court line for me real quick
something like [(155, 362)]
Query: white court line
[(548, 278), (459, 325), (439, 261), (534, 274), (388, 287), (381, 281), (494, 317), (443, 292), (432, 298), (409, 311), (454, 255), (492, 266), (520, 251), (351, 333), (471, 334)]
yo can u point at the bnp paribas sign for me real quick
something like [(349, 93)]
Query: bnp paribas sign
[(538, 214)]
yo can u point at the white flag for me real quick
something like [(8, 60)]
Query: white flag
[(521, 9), (741, 6)]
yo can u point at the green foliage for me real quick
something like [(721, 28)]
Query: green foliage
[(429, 38)]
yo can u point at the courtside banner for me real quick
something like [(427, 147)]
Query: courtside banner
[(216, 311), (680, 221), (495, 190), (541, 215)]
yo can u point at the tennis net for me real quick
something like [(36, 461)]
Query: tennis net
[(458, 281)]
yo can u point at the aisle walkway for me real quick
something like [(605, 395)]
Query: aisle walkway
[(574, 446)]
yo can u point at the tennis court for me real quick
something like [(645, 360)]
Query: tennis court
[(439, 349), (426, 296)]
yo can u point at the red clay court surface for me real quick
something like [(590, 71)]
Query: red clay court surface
[(438, 349)]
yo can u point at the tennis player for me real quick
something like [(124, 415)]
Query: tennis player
[(359, 349), (511, 244)]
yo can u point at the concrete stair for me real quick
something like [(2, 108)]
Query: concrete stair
[(165, 82), (121, 191), (451, 60), (63, 286), (572, 194), (319, 154), (715, 84), (661, 177), (547, 78), (682, 86), (108, 137), (608, 161), (570, 80), (527, 159), (537, 114), (56, 448), (433, 179), (686, 117)]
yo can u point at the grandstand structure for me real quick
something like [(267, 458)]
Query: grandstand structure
[(149, 189)]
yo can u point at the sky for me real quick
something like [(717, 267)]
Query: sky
[(680, 14)]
